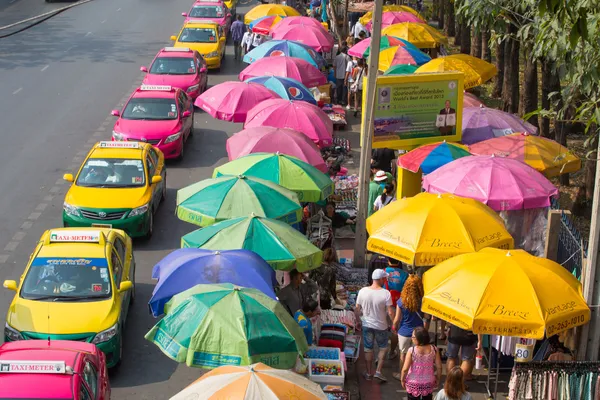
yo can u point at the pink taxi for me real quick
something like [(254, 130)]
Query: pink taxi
[(160, 115), (178, 67), (59, 369), (213, 11)]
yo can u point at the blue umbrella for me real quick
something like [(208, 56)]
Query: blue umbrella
[(185, 268), (287, 88), (288, 48)]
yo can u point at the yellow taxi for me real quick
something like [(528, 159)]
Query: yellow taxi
[(206, 37), (78, 285), (119, 185)]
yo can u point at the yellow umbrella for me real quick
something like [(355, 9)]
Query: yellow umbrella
[(476, 70), (251, 382), (369, 16), (505, 292), (422, 36), (427, 229), (263, 10)]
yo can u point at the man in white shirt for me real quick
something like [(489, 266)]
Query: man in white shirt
[(357, 29), (339, 67), (348, 79), (373, 306), (257, 40), (247, 40)]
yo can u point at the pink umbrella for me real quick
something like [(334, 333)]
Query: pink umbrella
[(267, 139), (306, 21), (395, 17), (289, 67), (298, 115), (317, 38), (470, 100), (231, 101), (501, 183)]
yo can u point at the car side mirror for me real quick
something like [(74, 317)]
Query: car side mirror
[(115, 113), (184, 14), (143, 69), (222, 39), (203, 69), (156, 179), (11, 285), (125, 286), (68, 177), (186, 114), (173, 38)]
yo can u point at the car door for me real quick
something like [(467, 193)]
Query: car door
[(154, 187), (185, 104), (203, 76), (125, 254), (91, 379), (117, 273)]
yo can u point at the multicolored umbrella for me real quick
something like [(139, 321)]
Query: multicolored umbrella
[(287, 67), (365, 19), (401, 69), (545, 155), (267, 139), (400, 55), (264, 24), (481, 123), (262, 10), (281, 246), (286, 88), (230, 101), (213, 200), (395, 17), (298, 115), (209, 326), (501, 183), (248, 383), (316, 37), (476, 70), (306, 21), (470, 100), (285, 48), (421, 35), (309, 183), (185, 268), (430, 157), (363, 48)]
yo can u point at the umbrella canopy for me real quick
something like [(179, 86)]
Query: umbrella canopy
[(230, 101), (214, 200), (476, 70), (427, 229), (281, 246), (288, 67), (309, 183), (306, 21), (365, 19), (501, 183), (262, 10), (286, 88), (545, 155), (395, 17), (363, 48), (264, 24), (267, 139), (249, 383), (185, 268), (208, 326), (401, 69), (470, 100), (297, 115), (510, 293), (400, 55), (431, 156), (316, 37), (421, 35), (285, 48), (481, 123)]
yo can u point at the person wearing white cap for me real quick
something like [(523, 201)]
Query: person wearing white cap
[(373, 306)]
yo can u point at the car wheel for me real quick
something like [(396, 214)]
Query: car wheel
[(150, 230)]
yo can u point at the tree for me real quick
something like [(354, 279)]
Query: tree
[(449, 24), (510, 87), (486, 52), (476, 43)]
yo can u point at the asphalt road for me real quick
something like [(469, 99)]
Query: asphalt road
[(58, 82)]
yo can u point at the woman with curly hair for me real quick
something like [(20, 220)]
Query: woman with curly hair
[(407, 315)]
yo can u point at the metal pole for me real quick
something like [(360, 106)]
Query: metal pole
[(367, 128)]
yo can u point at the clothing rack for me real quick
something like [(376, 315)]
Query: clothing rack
[(569, 366)]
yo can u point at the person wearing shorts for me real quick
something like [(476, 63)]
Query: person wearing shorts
[(465, 344)]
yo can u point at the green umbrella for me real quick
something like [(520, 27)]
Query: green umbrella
[(280, 245), (309, 183), (401, 69), (208, 326), (214, 200)]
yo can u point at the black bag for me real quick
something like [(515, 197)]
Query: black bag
[(461, 337)]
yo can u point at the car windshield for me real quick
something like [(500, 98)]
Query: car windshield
[(173, 66), (206, 12), (112, 173), (198, 35), (67, 279), (150, 109)]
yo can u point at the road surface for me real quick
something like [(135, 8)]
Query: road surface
[(60, 79)]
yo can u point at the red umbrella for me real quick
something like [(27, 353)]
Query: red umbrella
[(288, 67)]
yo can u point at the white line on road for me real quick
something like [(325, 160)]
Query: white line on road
[(27, 225), (11, 1), (103, 22), (11, 246), (18, 236), (45, 68), (34, 215), (18, 90), (118, 9), (68, 49), (88, 34), (3, 258), (41, 207)]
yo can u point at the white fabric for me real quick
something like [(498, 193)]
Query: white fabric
[(374, 304), (341, 60), (507, 345), (257, 40), (247, 40), (378, 204), (357, 29), (349, 68)]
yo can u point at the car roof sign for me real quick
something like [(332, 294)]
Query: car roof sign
[(178, 49), (75, 236), (161, 88), (202, 21), (119, 145), (32, 367)]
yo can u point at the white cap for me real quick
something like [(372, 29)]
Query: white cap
[(380, 176), (379, 274)]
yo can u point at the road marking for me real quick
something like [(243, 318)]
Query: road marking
[(4, 257), (34, 215), (69, 48), (118, 9), (77, 159), (88, 34), (91, 141), (45, 68), (82, 153), (106, 122), (48, 198), (11, 246), (11, 1), (54, 189), (41, 207), (27, 225), (102, 129), (99, 134), (19, 236), (73, 167), (103, 22), (18, 90), (60, 182)]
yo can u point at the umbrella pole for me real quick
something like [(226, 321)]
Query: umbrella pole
[(497, 367), (487, 386)]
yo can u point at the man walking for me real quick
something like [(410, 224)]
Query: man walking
[(237, 34), (339, 69), (373, 307)]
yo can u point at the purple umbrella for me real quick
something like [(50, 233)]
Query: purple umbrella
[(185, 268), (481, 123)]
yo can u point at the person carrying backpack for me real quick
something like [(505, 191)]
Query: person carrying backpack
[(467, 344)]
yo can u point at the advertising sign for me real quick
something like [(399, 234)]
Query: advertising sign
[(412, 110)]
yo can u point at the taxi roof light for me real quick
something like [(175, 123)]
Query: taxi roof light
[(178, 49), (32, 367), (201, 21), (76, 236), (161, 88), (119, 145)]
